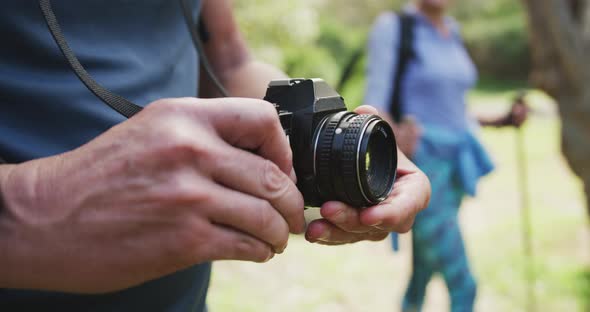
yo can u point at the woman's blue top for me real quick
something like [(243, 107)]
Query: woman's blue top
[(433, 91), (437, 78)]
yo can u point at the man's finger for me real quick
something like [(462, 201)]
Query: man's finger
[(344, 217), (323, 232), (251, 174), (248, 214), (366, 109), (252, 125), (398, 211), (235, 245)]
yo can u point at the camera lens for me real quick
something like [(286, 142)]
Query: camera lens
[(355, 159)]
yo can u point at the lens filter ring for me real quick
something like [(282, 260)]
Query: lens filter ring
[(376, 160), (355, 159)]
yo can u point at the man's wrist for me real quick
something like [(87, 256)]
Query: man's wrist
[(8, 243), (5, 171), (18, 185)]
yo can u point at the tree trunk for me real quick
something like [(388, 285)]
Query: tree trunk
[(576, 136), (560, 43)]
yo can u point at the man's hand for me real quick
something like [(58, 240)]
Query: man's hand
[(342, 224), (173, 186)]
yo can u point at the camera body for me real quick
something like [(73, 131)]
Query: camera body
[(332, 147), (302, 105)]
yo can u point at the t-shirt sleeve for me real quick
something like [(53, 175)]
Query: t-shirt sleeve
[(382, 59)]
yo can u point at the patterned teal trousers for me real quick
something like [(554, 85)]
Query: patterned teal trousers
[(437, 242)]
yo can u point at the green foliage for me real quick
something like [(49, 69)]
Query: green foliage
[(308, 38), (495, 33)]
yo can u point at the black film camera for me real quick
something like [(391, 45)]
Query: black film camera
[(337, 155)]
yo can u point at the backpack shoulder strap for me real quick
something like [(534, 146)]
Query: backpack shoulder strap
[(405, 53)]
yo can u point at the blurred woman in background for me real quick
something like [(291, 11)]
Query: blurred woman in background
[(423, 94)]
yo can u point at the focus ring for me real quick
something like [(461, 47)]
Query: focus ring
[(352, 136), (324, 154)]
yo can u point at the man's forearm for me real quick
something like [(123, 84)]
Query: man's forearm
[(10, 277), (230, 57), (249, 79), (4, 171), (23, 208)]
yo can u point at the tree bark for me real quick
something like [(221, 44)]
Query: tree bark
[(560, 41)]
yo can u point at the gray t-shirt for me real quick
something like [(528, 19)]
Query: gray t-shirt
[(140, 49)]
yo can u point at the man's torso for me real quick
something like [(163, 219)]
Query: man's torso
[(139, 49)]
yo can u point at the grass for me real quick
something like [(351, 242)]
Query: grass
[(369, 277)]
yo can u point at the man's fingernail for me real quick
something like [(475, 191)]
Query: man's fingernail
[(270, 256), (377, 223), (283, 248), (279, 250), (324, 237)]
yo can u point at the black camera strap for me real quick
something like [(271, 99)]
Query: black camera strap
[(405, 53), (115, 101), (199, 35)]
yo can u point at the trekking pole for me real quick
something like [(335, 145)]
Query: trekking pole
[(529, 270)]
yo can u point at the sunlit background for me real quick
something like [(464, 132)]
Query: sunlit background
[(318, 38)]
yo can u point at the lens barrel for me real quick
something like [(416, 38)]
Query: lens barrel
[(355, 159)]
